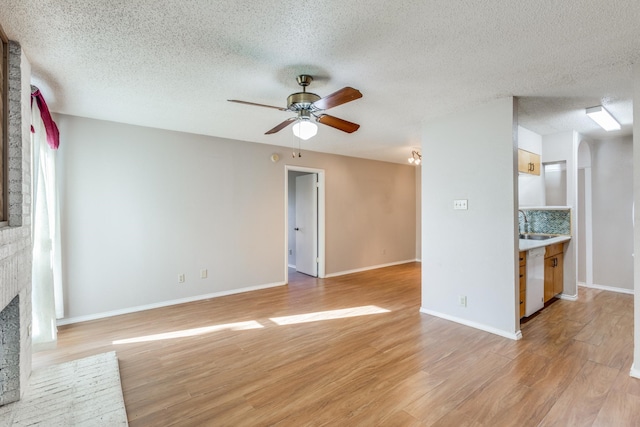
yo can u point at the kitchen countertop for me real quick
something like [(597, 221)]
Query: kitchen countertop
[(526, 245)]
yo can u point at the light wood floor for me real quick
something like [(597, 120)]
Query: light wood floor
[(252, 360)]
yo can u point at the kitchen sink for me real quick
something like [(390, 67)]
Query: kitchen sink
[(536, 236)]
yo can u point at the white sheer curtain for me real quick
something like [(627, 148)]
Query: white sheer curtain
[(46, 278)]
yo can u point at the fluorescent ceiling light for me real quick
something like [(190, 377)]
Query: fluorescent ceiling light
[(305, 129), (603, 118)]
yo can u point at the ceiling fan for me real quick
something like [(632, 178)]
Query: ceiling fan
[(306, 105)]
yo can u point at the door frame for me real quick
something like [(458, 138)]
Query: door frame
[(321, 217)]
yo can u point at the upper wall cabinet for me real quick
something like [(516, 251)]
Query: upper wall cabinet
[(528, 162)]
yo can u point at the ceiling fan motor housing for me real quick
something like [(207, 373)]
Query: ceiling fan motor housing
[(301, 101)]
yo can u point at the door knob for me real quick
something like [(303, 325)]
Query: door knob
[(297, 229)]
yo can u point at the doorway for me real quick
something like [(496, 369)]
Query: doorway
[(304, 221), (584, 228)]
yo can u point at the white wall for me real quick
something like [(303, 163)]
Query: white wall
[(635, 368), (139, 206), (529, 140), (472, 253), (530, 187), (418, 212), (612, 192), (555, 184), (564, 147), (581, 230)]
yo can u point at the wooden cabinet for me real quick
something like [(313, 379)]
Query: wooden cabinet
[(558, 274), (523, 283), (528, 162), (553, 270)]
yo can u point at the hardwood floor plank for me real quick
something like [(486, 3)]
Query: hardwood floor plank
[(401, 419), (541, 392), (626, 384), (506, 390), (588, 392), (458, 419), (619, 409), (457, 387), (257, 359)]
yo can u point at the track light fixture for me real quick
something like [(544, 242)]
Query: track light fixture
[(416, 157)]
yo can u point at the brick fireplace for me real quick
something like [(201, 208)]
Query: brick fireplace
[(15, 236), (10, 352)]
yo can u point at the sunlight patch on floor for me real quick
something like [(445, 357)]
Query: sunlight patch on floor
[(239, 326), (253, 324), (329, 315)]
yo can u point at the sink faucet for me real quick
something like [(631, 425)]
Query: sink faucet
[(526, 221)]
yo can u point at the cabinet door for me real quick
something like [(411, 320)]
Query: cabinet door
[(534, 164), (549, 278), (558, 274), (528, 162), (523, 161), (555, 249), (523, 290)]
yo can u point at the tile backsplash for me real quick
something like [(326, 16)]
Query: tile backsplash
[(546, 221)]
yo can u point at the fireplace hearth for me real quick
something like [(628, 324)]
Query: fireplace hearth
[(10, 352)]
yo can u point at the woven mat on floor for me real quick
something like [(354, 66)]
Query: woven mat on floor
[(84, 392)]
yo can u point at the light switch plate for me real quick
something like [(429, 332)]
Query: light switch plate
[(460, 204)]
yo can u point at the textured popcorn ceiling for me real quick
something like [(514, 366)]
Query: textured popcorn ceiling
[(173, 64)]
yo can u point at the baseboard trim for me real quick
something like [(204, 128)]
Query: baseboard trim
[(635, 373), (36, 347), (373, 267), (513, 336), (607, 288), (78, 319), (569, 297)]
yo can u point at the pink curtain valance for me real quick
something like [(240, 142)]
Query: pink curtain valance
[(53, 135)]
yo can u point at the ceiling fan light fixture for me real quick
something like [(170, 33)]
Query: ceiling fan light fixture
[(305, 129), (602, 117)]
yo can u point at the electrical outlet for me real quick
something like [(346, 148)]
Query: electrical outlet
[(384, 252), (460, 204), (290, 251), (203, 273), (181, 278), (462, 300)]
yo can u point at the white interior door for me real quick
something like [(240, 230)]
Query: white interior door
[(306, 228)]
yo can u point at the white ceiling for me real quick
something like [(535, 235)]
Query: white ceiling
[(172, 64)]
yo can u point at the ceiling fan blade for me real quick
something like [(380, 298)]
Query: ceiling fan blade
[(344, 95), (337, 123), (257, 105), (281, 126)]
